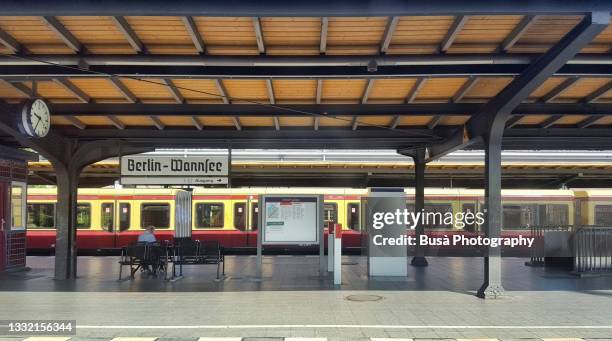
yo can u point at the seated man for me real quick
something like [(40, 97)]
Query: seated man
[(148, 236)]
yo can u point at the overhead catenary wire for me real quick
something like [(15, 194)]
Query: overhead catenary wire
[(226, 97)]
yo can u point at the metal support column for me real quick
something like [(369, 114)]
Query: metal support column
[(65, 240), (492, 286), (419, 205)]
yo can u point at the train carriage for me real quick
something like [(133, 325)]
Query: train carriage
[(112, 218)]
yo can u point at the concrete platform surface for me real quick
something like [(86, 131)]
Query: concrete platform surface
[(437, 302)]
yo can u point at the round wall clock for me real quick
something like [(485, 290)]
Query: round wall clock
[(35, 118)]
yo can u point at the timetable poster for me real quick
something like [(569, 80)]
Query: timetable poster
[(290, 220)]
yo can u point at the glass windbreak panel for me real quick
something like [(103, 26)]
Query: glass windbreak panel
[(519, 217), (107, 216), (155, 215), (330, 213), (83, 216), (240, 216), (209, 215), (124, 216), (603, 215), (254, 216), (18, 202), (41, 216), (353, 217)]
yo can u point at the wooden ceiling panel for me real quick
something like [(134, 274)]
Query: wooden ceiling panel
[(59, 120), (93, 30), (34, 35), (440, 89), (250, 121), (136, 120), (217, 121), (453, 120), (152, 89), (346, 31), (414, 120), (606, 120), (160, 30), (51, 90), (391, 89), (481, 30), (29, 30), (583, 88), (421, 31), (288, 90), (7, 91), (291, 31), (384, 121), (176, 121), (250, 89), (296, 121), (571, 119), (532, 119), (227, 35), (487, 87), (94, 120), (198, 89), (343, 89), (341, 121), (97, 87), (546, 87), (601, 44), (544, 32)]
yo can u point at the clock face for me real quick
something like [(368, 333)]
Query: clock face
[(36, 118)]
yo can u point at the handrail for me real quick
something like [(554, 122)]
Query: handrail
[(593, 249)]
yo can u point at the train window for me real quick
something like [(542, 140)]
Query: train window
[(124, 216), (470, 208), (41, 216), (209, 215), (240, 216), (330, 213), (603, 215), (107, 216), (156, 215), (353, 216), (254, 216), (554, 214), (83, 216), (434, 215), (517, 217)]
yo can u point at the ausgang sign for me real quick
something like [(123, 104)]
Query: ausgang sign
[(152, 169)]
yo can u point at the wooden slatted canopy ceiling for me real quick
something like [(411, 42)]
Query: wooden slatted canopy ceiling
[(196, 63)]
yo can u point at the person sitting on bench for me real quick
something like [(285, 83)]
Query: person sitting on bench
[(148, 236)]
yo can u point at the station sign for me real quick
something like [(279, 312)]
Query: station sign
[(174, 170)]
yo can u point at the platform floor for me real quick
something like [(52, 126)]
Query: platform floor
[(291, 300)]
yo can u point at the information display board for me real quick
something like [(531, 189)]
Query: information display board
[(290, 220)]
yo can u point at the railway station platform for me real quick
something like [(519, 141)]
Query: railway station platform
[(291, 300)]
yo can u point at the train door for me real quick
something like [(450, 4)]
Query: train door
[(107, 224), (240, 213), (253, 222), (123, 222)]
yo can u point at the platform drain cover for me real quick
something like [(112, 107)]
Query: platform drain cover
[(364, 298), (349, 263)]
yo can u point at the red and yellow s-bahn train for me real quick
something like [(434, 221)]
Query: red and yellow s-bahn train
[(113, 218)]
